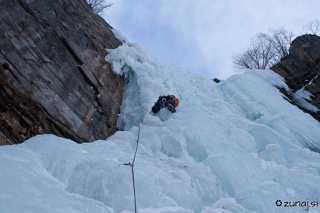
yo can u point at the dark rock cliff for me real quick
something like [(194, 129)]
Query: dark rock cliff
[(301, 68), (53, 76)]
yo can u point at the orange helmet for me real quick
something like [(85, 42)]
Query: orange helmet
[(176, 102)]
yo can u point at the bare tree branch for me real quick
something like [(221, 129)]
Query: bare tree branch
[(98, 5), (312, 27), (281, 40), (264, 50)]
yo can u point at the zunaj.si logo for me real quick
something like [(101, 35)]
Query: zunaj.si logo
[(298, 204), (278, 203)]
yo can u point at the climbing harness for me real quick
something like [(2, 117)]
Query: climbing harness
[(132, 165)]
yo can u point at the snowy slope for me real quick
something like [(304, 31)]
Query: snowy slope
[(236, 146)]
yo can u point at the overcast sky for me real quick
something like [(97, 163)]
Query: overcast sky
[(202, 36)]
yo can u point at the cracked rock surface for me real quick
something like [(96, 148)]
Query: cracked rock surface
[(53, 76)]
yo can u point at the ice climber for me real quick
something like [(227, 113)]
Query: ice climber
[(169, 101)]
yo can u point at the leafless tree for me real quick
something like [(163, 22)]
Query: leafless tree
[(259, 55), (312, 27), (281, 40), (99, 5), (264, 50)]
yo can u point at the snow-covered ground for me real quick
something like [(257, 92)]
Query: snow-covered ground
[(236, 146)]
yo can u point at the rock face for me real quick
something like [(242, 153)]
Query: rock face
[(301, 68), (53, 76)]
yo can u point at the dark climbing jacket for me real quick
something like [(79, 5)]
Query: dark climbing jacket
[(169, 101)]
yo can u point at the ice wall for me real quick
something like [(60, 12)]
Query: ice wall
[(236, 146)]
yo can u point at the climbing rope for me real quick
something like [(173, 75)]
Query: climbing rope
[(132, 165)]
